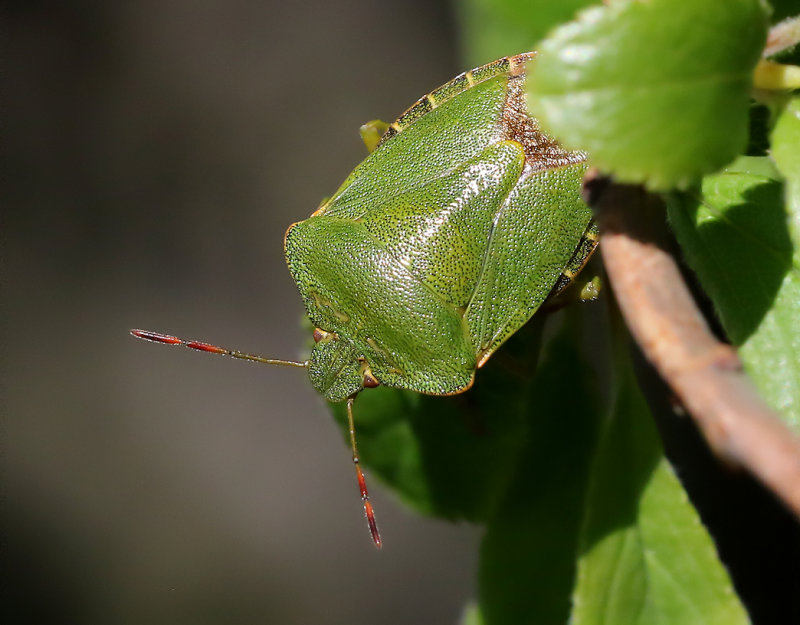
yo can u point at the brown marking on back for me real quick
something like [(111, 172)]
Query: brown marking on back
[(541, 151), (516, 64)]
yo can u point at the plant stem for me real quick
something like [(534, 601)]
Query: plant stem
[(704, 373)]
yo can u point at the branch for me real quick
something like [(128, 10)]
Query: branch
[(705, 374)]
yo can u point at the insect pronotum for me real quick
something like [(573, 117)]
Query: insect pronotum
[(464, 218)]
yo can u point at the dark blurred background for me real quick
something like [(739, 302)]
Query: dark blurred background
[(153, 155)]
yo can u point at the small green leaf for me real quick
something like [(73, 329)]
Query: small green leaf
[(735, 236), (656, 92), (645, 558)]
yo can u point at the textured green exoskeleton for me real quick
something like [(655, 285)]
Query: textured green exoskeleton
[(443, 242)]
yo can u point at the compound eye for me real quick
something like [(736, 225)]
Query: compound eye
[(369, 380), (321, 335)]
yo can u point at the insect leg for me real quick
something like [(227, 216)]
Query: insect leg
[(371, 133)]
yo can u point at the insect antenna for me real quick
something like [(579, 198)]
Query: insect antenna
[(362, 483), (167, 339)]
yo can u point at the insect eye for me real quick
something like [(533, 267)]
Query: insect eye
[(321, 335), (369, 380)]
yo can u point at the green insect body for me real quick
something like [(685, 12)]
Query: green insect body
[(443, 242), (440, 245)]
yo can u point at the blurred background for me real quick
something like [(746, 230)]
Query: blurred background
[(154, 154)]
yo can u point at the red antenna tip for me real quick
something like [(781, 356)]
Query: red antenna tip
[(147, 335), (206, 347), (373, 526), (368, 511)]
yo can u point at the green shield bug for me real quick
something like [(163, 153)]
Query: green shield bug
[(464, 218)]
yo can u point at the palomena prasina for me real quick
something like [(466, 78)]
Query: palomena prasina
[(442, 242), (440, 245)]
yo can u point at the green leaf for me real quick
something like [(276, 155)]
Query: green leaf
[(656, 92), (645, 558), (594, 527), (735, 236), (451, 456), (527, 566), (495, 28)]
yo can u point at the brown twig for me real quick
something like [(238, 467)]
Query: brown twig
[(704, 373)]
